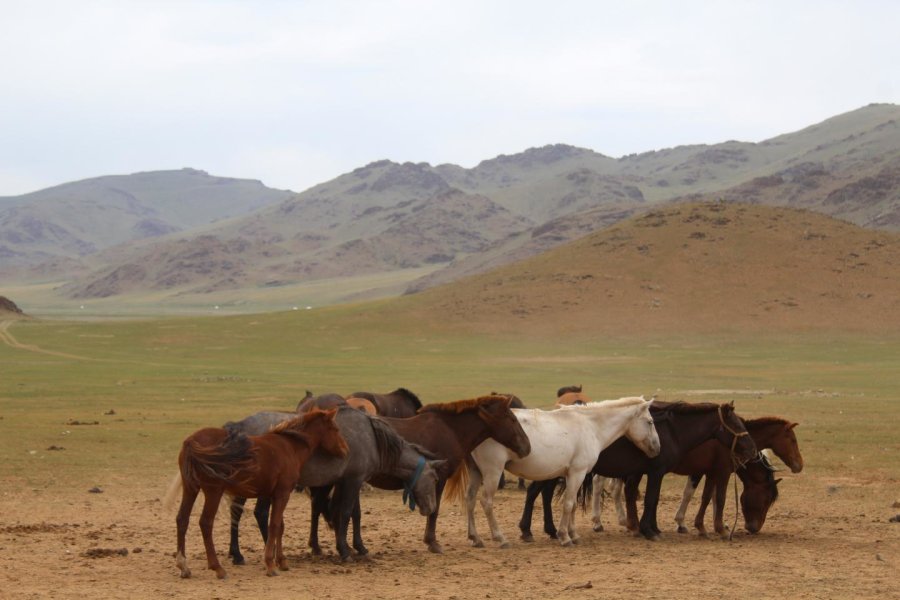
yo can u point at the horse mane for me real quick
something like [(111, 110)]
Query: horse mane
[(461, 406), (514, 401), (628, 401), (760, 422), (387, 441), (568, 389)]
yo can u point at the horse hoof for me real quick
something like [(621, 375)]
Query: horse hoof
[(271, 573), (221, 575), (682, 529), (553, 535), (527, 537), (315, 551), (567, 544), (186, 574), (238, 560), (475, 544), (436, 548), (505, 545), (598, 528)]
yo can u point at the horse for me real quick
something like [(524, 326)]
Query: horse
[(681, 427), (400, 403), (217, 461), (565, 441), (325, 401), (772, 433), (570, 398), (451, 431), (375, 449), (514, 402), (569, 389), (362, 404)]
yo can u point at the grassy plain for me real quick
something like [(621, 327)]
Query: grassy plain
[(164, 378)]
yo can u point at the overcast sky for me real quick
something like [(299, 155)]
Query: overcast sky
[(295, 93)]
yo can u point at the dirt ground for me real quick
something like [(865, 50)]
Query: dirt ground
[(825, 538)]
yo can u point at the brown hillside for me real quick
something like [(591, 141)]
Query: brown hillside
[(9, 309), (690, 267)]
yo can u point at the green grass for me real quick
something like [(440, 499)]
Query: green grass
[(164, 378)]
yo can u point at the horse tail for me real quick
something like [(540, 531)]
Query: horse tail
[(457, 484), (232, 461), (585, 492), (173, 491)]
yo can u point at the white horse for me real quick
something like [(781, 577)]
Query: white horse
[(564, 442)]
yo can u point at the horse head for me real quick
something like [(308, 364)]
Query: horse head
[(642, 430), (320, 423), (786, 447), (760, 492), (424, 488), (503, 424), (733, 434)]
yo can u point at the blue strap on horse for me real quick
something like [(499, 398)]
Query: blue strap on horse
[(408, 487)]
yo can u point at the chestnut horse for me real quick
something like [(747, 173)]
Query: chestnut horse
[(362, 404), (218, 461), (450, 431)]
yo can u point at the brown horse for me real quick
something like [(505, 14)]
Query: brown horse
[(569, 389), (450, 431), (219, 461), (570, 398), (712, 461), (323, 402), (400, 403), (362, 404)]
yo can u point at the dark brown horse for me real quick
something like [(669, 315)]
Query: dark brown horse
[(772, 433), (681, 427), (400, 403), (219, 461), (450, 431)]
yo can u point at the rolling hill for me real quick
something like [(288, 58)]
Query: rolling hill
[(689, 267), (430, 225)]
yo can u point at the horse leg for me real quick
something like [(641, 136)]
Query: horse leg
[(356, 516), (276, 528), (617, 489), (531, 495), (648, 526), (598, 484), (719, 507), (234, 544), (547, 507), (341, 507), (207, 519), (431, 523), (487, 504), (188, 496), (708, 488), (318, 506), (631, 494), (690, 486), (475, 481), (261, 513), (566, 529), (521, 484)]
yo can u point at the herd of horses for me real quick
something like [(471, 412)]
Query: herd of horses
[(332, 445)]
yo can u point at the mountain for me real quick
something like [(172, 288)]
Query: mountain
[(689, 267), (427, 225), (71, 221)]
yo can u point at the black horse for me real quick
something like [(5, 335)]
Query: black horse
[(681, 427)]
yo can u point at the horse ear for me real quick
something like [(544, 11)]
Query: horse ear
[(777, 480), (792, 425), (731, 404)]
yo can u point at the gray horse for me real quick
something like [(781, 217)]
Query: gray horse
[(375, 449)]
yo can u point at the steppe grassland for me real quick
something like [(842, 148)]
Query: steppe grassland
[(163, 379)]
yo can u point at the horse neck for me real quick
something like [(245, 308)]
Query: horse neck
[(407, 463), (467, 427), (763, 433), (614, 420), (694, 428)]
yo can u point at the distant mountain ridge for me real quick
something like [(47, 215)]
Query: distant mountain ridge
[(390, 217)]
